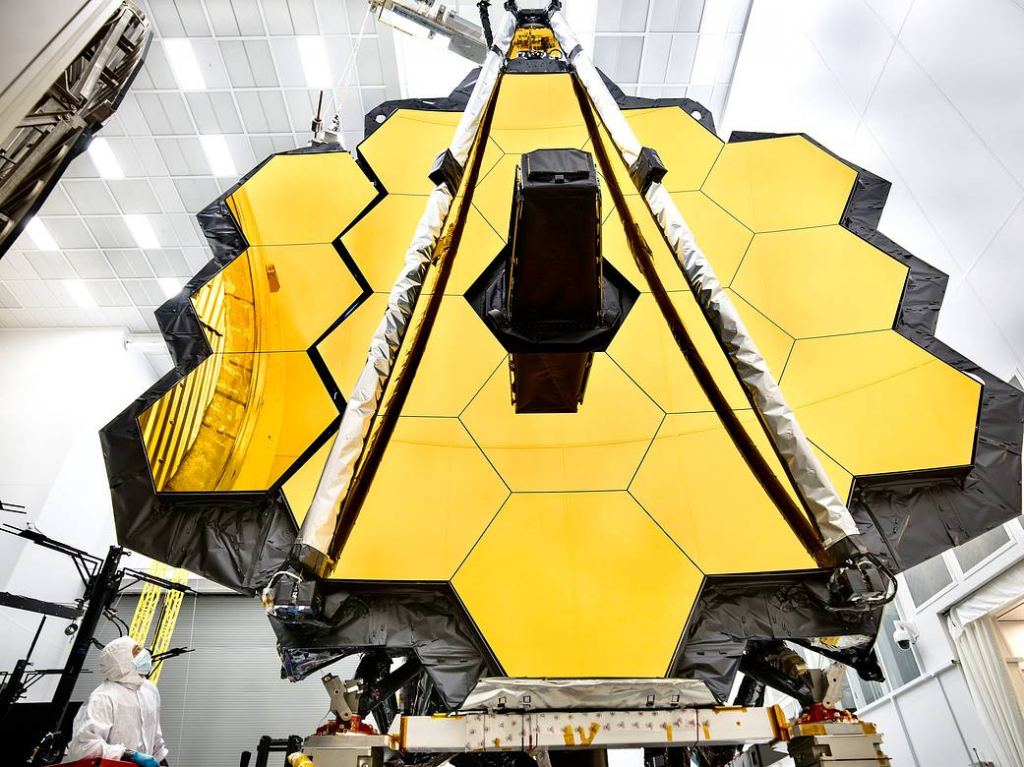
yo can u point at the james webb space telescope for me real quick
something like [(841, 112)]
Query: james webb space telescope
[(568, 405)]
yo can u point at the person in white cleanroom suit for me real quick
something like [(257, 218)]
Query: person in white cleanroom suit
[(121, 719)]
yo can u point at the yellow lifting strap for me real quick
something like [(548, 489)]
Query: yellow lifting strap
[(168, 619), (149, 600)]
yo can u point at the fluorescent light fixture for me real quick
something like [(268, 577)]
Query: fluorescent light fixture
[(716, 15), (141, 230), (170, 287), (80, 293), (40, 235), (314, 62), (218, 156), (708, 60), (184, 64), (103, 158)]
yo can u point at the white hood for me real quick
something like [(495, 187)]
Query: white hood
[(116, 663)]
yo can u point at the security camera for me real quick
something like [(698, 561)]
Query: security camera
[(905, 634)]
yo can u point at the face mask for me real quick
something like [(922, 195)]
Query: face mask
[(143, 662)]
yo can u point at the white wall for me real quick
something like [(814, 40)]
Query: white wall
[(58, 388), (928, 94)]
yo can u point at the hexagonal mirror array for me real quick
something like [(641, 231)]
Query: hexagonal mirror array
[(548, 525)]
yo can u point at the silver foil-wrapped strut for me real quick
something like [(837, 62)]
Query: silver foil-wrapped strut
[(321, 520), (833, 519)]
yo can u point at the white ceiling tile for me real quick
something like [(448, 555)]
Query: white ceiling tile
[(153, 113), (727, 58), (676, 15), (621, 15), (32, 294), (211, 64), (196, 258), (168, 262), (81, 167), (261, 63), (108, 293), (250, 20), (891, 12), (741, 10), (654, 62), (135, 196), (9, 318), (237, 63), (177, 114), (50, 265), (145, 292), (966, 325), (174, 159), (618, 57), (332, 17), (89, 264), (253, 115), (289, 65), (183, 228), (303, 14), (14, 266), (193, 18), (279, 20), (69, 232), (165, 14), (151, 324), (202, 112), (129, 262), (907, 105), (854, 45), (196, 193), (90, 197), (241, 154), (222, 17), (368, 63), (110, 232), (132, 119), (680, 59), (167, 195), (113, 126), (702, 95), (57, 203), (302, 108), (339, 50), (356, 12), (156, 65), (183, 156), (262, 147), (227, 113), (988, 60), (8, 299), (997, 278), (24, 317), (142, 81)]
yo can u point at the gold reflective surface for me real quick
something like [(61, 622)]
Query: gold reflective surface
[(549, 525)]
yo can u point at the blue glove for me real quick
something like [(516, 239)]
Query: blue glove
[(144, 760)]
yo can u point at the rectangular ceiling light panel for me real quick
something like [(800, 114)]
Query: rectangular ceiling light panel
[(315, 65), (184, 64), (218, 156), (141, 230)]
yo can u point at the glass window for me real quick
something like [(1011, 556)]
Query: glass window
[(973, 553), (900, 666), (928, 579)]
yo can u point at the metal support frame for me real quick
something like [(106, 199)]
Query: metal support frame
[(104, 580), (60, 124)]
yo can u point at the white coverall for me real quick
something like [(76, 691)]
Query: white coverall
[(122, 713)]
